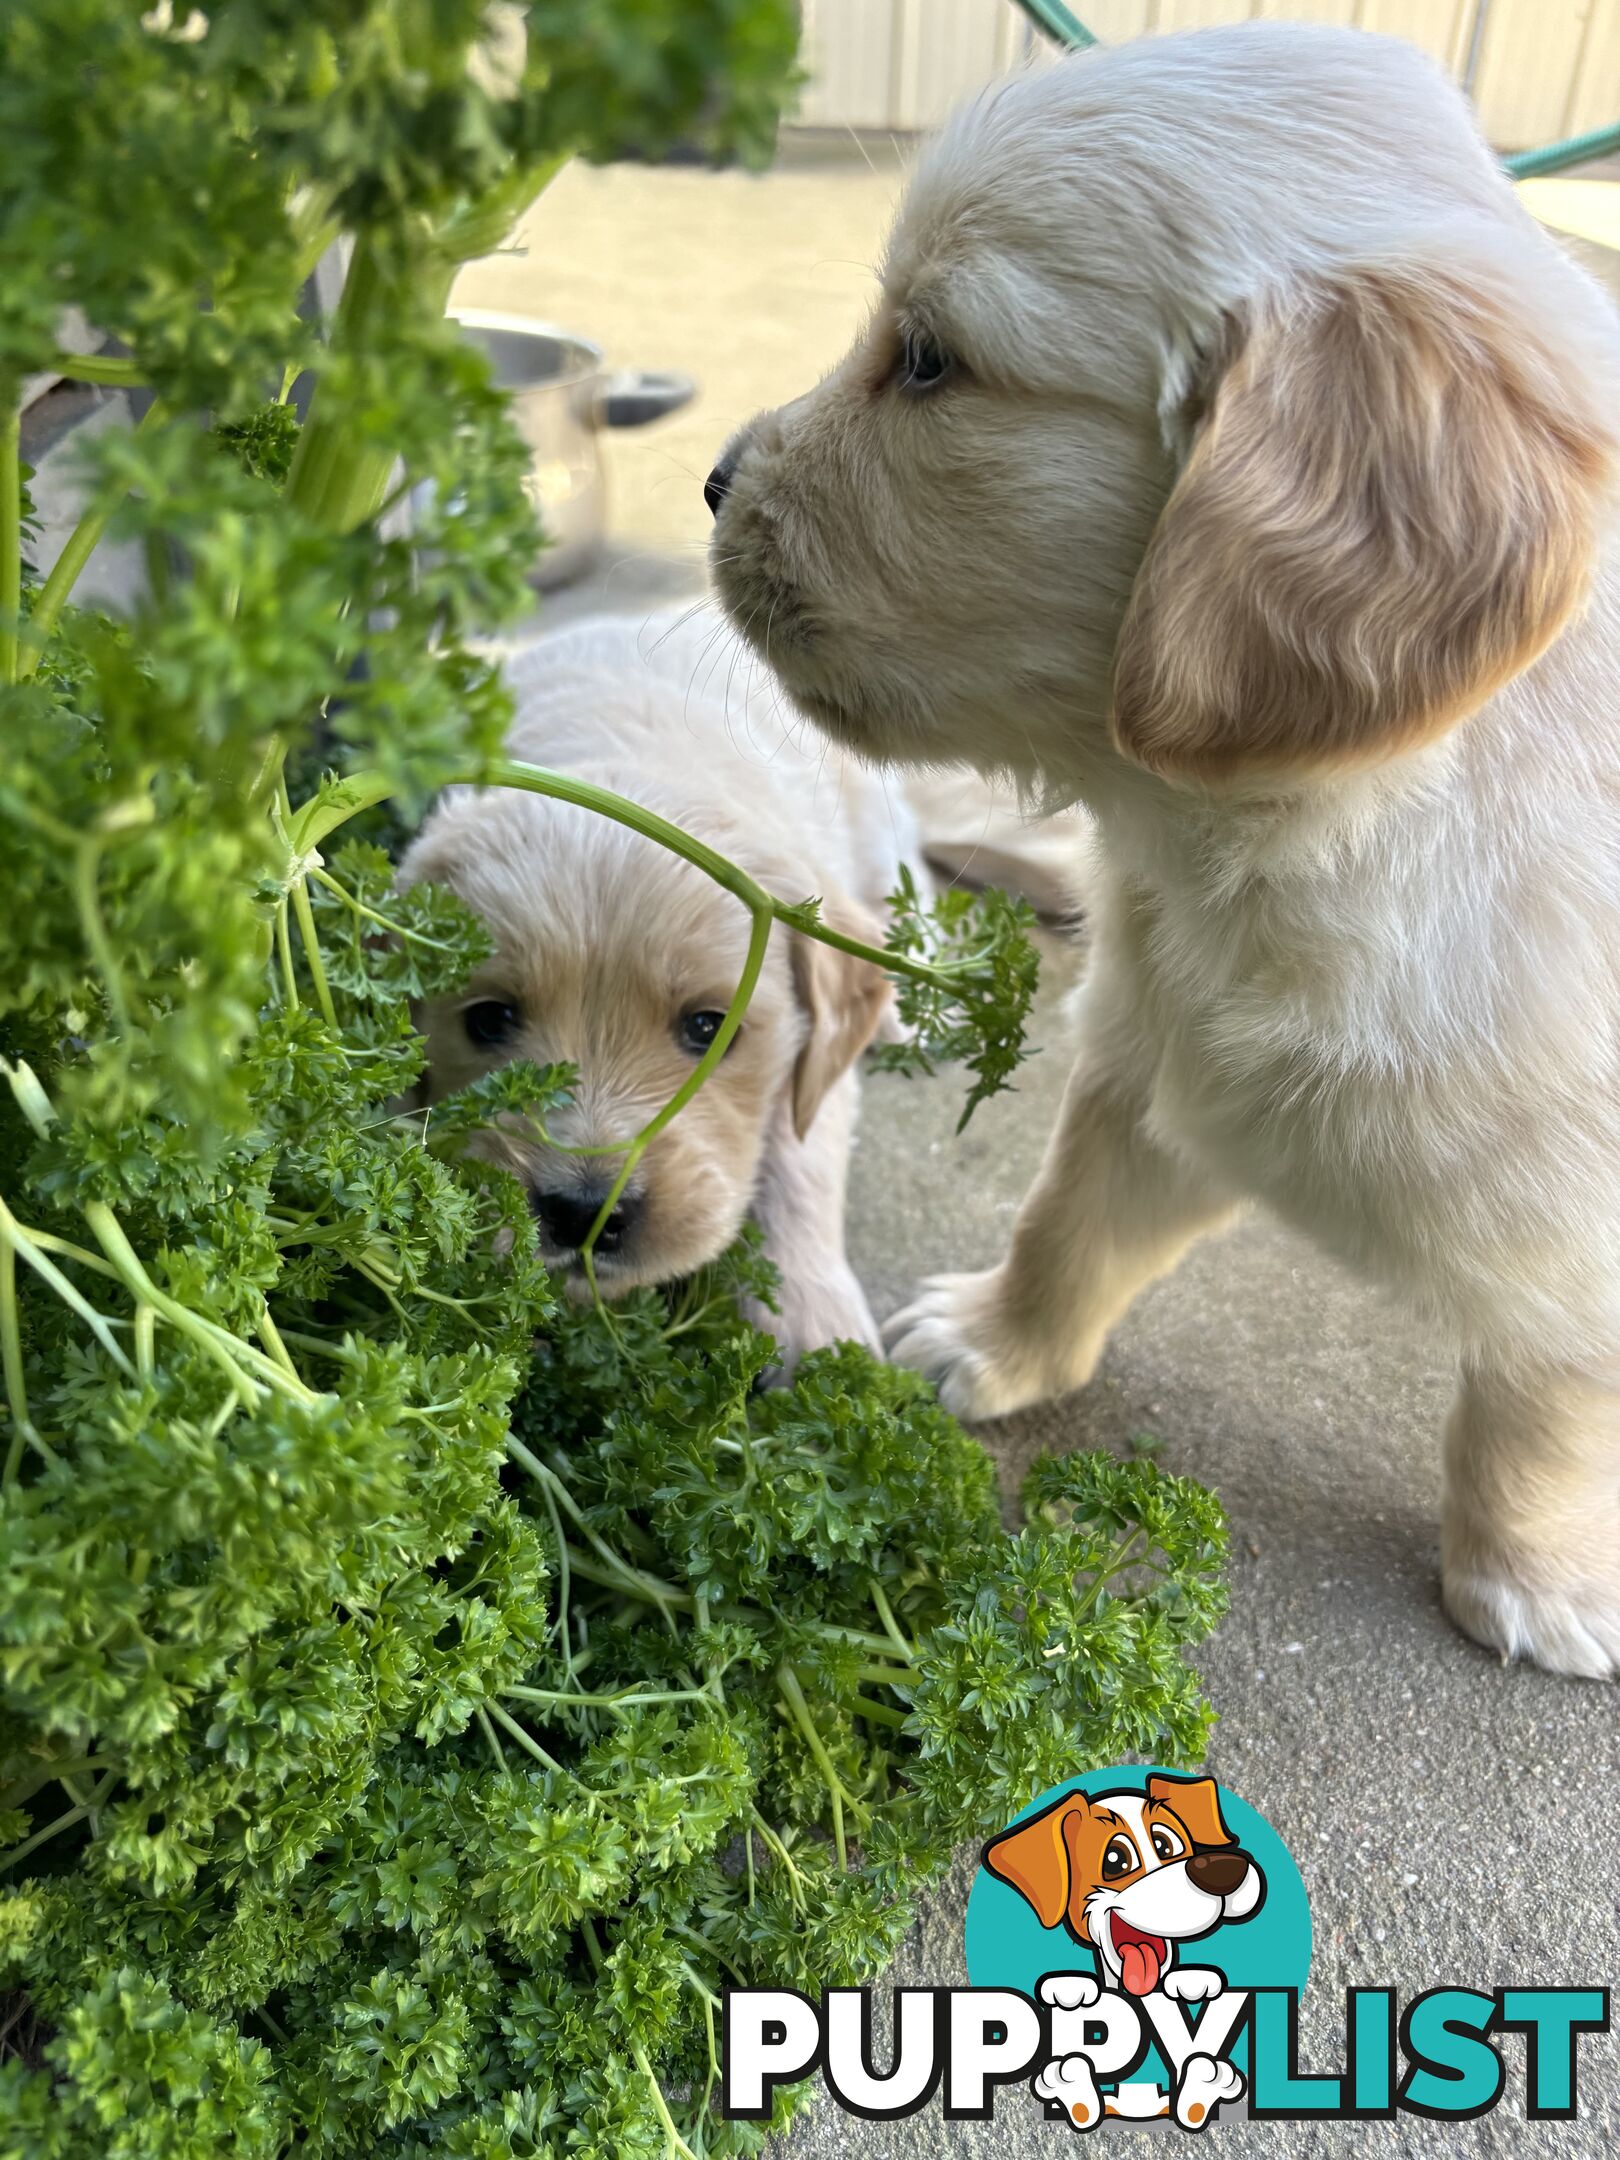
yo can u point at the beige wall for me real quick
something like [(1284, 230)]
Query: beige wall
[(1547, 67)]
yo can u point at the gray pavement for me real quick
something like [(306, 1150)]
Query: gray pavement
[(1453, 1819)]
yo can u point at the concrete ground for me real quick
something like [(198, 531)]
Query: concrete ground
[(1454, 1821)]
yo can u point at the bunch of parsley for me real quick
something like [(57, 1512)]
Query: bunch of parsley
[(417, 1698)]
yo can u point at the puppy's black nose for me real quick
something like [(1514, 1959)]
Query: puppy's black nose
[(566, 1217), (1219, 1872), (718, 485)]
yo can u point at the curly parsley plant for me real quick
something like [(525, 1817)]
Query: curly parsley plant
[(417, 1698)]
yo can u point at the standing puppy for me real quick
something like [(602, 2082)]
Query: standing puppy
[(1230, 451), (619, 958)]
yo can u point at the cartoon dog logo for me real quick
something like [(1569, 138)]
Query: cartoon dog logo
[(1132, 1876)]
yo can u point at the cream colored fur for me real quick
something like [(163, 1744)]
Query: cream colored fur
[(604, 941), (1265, 506)]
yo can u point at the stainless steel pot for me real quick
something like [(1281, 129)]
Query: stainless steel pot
[(561, 398)]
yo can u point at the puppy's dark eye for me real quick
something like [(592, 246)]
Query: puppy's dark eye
[(1119, 1859), (696, 1030), (1166, 1844), (924, 363), (491, 1022)]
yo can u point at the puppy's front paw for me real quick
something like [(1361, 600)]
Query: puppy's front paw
[(1192, 1983), (817, 1309), (1069, 1991), (1203, 2085), (1573, 1631), (1072, 2085), (963, 1333)]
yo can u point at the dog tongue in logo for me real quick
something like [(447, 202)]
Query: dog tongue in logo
[(1141, 1956)]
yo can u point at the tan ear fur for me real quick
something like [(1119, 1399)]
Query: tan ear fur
[(1035, 1858), (1389, 512), (1197, 1803), (844, 999)]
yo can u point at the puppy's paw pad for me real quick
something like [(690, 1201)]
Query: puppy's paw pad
[(946, 1335), (1071, 2085), (1192, 1983), (1204, 2084), (1568, 1633), (1069, 1991)]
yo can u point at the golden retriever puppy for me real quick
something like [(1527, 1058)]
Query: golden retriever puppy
[(1231, 452), (618, 957)]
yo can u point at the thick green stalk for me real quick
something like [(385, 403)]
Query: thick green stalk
[(759, 938), (793, 1696), (81, 545), (343, 799), (246, 1368), (16, 1239), (96, 368), (674, 2143), (336, 480), (10, 535)]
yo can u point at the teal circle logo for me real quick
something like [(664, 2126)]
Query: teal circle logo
[(1127, 1885)]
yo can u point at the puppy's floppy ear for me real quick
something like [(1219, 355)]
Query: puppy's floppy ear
[(844, 1000), (1389, 511), (1197, 1801), (1036, 1858)]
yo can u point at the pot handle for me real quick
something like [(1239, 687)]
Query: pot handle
[(633, 396)]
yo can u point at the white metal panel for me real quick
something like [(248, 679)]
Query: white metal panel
[(1321, 11), (1527, 68), (947, 49), (1200, 14), (1548, 67), (848, 48), (1114, 20), (1594, 99), (1441, 27)]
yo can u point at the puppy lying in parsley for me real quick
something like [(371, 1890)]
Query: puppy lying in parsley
[(616, 957)]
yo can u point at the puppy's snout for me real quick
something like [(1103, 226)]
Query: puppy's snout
[(718, 485), (566, 1217), (1220, 1872)]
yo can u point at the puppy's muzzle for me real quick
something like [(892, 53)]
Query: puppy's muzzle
[(566, 1217), (718, 485), (1221, 1872)]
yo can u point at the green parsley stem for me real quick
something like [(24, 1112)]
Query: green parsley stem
[(86, 892), (792, 1693), (887, 1675), (673, 2141), (775, 1844), (10, 532), (891, 1626), (96, 368), (488, 1730), (312, 954), (560, 1698), (878, 1713), (81, 545), (525, 1740), (15, 1238), (49, 1770), (245, 1367), (340, 800), (758, 939), (75, 1814)]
